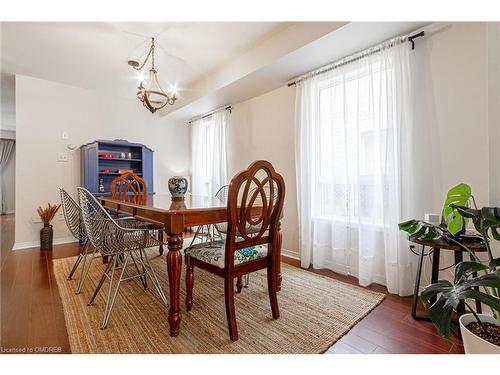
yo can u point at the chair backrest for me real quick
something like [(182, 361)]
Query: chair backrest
[(72, 215), (223, 193), (100, 227), (129, 188), (256, 198)]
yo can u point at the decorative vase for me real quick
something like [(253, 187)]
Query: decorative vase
[(178, 186), (474, 344), (46, 237)]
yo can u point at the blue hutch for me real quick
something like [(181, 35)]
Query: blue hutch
[(104, 160)]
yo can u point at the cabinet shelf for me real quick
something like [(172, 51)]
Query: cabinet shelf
[(140, 161), (118, 159), (115, 174)]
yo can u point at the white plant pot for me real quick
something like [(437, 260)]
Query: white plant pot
[(474, 344)]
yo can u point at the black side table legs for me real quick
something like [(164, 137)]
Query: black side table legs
[(434, 278)]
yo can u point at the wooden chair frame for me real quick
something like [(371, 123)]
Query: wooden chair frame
[(240, 207), (131, 188)]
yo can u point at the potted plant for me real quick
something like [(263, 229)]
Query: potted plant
[(47, 233), (480, 332)]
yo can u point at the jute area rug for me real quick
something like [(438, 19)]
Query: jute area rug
[(316, 311)]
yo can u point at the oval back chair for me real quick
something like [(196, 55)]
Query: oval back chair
[(255, 198), (129, 187)]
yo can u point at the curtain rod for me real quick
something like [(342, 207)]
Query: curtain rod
[(205, 115), (359, 55)]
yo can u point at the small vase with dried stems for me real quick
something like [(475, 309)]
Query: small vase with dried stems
[(47, 233)]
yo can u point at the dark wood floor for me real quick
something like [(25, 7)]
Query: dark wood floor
[(32, 317)]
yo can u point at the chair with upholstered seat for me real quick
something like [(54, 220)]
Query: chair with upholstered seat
[(241, 253), (131, 188)]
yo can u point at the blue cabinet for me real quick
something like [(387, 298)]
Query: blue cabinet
[(105, 160)]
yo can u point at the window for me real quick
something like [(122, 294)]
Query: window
[(208, 153), (351, 134)]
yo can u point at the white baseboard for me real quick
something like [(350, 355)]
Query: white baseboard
[(8, 212), (35, 244), (290, 254)]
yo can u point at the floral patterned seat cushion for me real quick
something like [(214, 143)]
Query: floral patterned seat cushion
[(214, 252)]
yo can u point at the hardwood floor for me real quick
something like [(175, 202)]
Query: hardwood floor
[(32, 317)]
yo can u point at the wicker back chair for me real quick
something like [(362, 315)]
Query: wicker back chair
[(131, 188), (73, 217), (123, 242)]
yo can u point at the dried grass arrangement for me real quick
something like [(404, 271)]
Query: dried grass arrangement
[(47, 213)]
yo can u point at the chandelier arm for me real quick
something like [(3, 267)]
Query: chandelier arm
[(159, 86), (145, 61)]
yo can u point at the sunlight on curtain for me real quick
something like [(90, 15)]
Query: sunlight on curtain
[(352, 128), (209, 154)]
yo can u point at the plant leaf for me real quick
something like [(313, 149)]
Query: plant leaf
[(420, 229), (440, 314), (464, 269), (431, 290), (458, 195), (491, 279), (495, 263), (487, 299)]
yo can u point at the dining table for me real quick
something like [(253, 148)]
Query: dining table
[(176, 215)]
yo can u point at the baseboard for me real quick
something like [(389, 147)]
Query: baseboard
[(8, 212), (36, 244), (290, 254)]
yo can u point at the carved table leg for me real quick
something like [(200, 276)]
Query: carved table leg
[(174, 267)]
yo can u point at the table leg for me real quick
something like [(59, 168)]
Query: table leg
[(174, 267), (478, 302), (417, 284), (436, 252), (461, 305)]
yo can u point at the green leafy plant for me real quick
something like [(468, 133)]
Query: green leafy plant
[(459, 195), (455, 215), (452, 223)]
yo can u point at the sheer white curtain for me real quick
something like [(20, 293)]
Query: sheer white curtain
[(353, 129), (209, 153), (7, 147)]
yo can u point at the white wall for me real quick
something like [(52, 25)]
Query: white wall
[(494, 109), (263, 128), (44, 109), (457, 90), (459, 73)]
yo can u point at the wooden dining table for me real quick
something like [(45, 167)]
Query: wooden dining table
[(175, 216)]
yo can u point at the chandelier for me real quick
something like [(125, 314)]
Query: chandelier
[(150, 93)]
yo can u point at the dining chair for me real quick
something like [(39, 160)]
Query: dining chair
[(222, 194), (210, 232), (73, 217), (131, 188), (241, 254), (123, 243)]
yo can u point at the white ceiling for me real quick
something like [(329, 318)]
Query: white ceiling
[(212, 64), (94, 55), (341, 41)]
